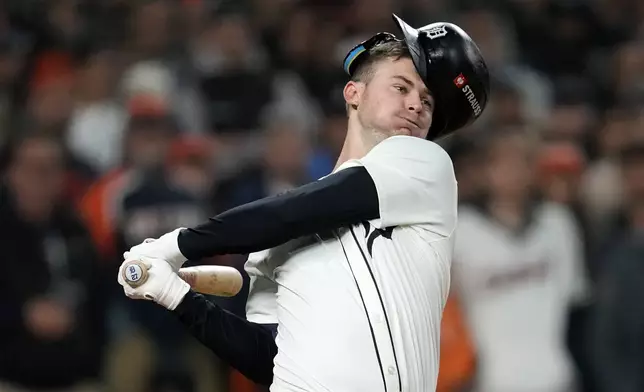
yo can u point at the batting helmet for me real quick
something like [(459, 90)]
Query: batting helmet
[(450, 64)]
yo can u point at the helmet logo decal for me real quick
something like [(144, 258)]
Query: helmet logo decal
[(471, 98), (460, 81), (436, 32)]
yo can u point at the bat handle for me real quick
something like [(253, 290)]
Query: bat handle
[(135, 273)]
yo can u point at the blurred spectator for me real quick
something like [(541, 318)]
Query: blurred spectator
[(466, 158), (151, 25), (296, 37), (507, 106), (143, 199), (573, 116), (306, 74), (559, 169), (567, 40), (145, 145), (628, 78), (233, 72), (97, 121), (50, 101), (151, 78), (560, 166), (282, 167), (154, 203), (173, 82), (616, 20), (617, 324), (518, 268), (52, 286), (632, 188), (602, 183), (191, 164)]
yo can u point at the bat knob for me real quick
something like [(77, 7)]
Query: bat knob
[(135, 273)]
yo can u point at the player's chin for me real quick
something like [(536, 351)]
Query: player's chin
[(405, 131)]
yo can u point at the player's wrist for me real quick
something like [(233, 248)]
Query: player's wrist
[(170, 243), (165, 248), (173, 292)]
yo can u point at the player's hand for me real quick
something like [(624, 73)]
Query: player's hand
[(162, 286), (165, 248)]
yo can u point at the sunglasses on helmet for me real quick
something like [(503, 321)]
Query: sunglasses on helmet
[(354, 57)]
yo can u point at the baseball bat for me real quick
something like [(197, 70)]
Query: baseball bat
[(222, 281)]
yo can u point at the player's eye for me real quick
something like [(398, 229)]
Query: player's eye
[(427, 103), (400, 88)]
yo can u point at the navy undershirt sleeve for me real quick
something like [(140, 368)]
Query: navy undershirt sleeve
[(343, 198), (246, 346)]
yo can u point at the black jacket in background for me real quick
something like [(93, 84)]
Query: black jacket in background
[(617, 339), (25, 359)]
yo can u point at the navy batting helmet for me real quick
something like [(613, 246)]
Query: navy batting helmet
[(450, 64)]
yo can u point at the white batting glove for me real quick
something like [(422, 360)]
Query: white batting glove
[(162, 286), (165, 248)]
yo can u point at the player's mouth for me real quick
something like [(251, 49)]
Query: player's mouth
[(415, 125)]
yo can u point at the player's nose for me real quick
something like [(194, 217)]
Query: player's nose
[(414, 103)]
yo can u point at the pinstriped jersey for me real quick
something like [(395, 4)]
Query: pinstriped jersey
[(359, 308)]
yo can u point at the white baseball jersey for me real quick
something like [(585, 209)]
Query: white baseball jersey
[(516, 289), (360, 309)]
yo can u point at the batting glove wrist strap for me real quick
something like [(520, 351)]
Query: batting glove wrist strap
[(173, 292)]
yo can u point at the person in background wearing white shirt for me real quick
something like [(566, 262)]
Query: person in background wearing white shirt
[(518, 268), (349, 273)]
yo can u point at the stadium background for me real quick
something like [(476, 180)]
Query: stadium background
[(123, 119)]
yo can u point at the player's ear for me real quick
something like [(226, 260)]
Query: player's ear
[(352, 92)]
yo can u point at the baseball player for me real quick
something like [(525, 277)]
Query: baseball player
[(349, 273)]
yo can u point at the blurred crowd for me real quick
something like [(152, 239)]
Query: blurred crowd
[(124, 119)]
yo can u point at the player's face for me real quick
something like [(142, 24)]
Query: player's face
[(395, 101)]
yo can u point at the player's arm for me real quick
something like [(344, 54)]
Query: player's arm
[(346, 197), (246, 346), (402, 181)]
